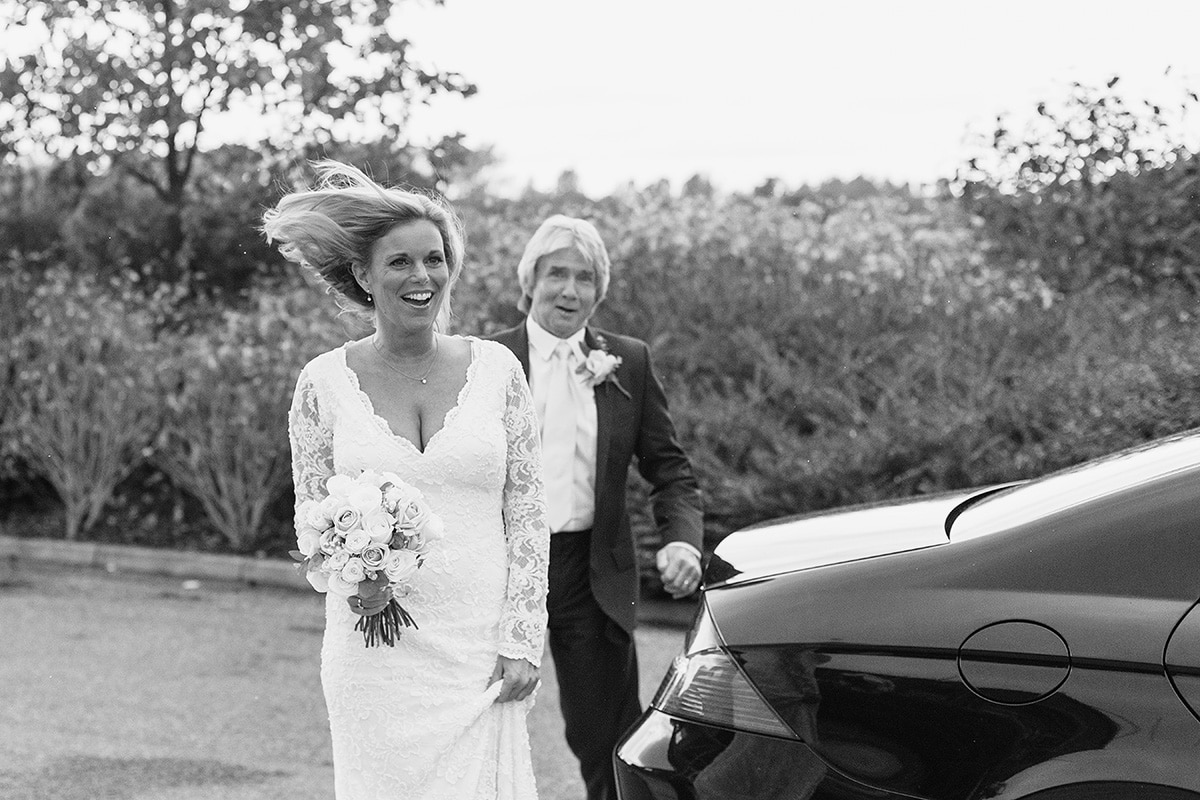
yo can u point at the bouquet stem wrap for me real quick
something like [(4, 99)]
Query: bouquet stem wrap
[(385, 626)]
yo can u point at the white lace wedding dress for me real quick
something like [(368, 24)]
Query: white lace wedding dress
[(417, 721)]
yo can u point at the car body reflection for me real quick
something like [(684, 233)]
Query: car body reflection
[(1032, 640)]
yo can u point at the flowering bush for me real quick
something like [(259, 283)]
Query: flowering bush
[(14, 289), (83, 405), (819, 354), (226, 389), (815, 352)]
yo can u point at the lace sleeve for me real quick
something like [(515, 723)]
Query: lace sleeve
[(312, 451), (523, 623)]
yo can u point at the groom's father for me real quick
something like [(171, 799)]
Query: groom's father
[(601, 406)]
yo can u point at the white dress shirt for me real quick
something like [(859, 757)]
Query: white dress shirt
[(582, 500)]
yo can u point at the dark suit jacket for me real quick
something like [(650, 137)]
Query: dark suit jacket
[(632, 420)]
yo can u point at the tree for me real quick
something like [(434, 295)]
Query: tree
[(1100, 188), (132, 84), (698, 186), (567, 186)]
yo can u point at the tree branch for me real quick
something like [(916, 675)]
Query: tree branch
[(134, 172)]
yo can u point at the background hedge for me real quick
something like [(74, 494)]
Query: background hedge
[(820, 346)]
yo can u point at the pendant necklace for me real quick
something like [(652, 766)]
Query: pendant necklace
[(424, 379)]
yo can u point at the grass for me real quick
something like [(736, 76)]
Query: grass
[(135, 687)]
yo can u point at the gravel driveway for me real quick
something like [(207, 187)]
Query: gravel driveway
[(147, 688)]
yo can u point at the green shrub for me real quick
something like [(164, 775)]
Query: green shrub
[(227, 389), (1102, 189), (83, 407), (818, 355), (815, 353)]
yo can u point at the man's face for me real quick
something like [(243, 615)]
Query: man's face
[(564, 292)]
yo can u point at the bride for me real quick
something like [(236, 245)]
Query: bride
[(442, 714)]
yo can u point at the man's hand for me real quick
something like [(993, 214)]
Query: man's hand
[(518, 676), (679, 568)]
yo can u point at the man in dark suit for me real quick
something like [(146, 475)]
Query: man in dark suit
[(600, 405)]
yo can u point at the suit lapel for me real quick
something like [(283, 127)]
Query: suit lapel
[(604, 423), (520, 348)]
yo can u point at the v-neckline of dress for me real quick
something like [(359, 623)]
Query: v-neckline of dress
[(386, 427)]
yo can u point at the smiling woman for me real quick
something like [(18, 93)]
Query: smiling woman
[(439, 712), (405, 279)]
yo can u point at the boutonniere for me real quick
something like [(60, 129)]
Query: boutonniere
[(600, 366)]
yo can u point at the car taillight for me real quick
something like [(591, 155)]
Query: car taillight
[(705, 684)]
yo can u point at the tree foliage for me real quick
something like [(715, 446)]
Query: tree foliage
[(134, 84), (1101, 189)]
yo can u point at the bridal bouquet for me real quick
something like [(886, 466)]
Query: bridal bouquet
[(367, 537)]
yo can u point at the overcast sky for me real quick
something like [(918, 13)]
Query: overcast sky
[(743, 90), (740, 90)]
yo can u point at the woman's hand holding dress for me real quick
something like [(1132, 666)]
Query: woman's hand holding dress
[(518, 676)]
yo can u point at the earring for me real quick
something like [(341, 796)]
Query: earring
[(370, 300)]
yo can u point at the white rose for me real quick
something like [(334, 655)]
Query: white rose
[(330, 542), (337, 585), (371, 477), (339, 486), (357, 541), (347, 518), (412, 517), (365, 498), (374, 555), (378, 525), (329, 507), (353, 571), (600, 365), (309, 513), (421, 541), (434, 528), (396, 496), (302, 526), (401, 564), (336, 561), (308, 542), (595, 361), (315, 513), (318, 580), (317, 517)]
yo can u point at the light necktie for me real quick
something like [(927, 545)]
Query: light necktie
[(558, 438)]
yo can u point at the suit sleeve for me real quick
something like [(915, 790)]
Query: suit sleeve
[(675, 493)]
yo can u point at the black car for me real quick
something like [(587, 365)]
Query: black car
[(1035, 640)]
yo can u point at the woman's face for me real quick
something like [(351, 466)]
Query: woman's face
[(408, 274), (564, 292)]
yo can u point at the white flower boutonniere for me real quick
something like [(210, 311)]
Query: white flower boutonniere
[(600, 366)]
